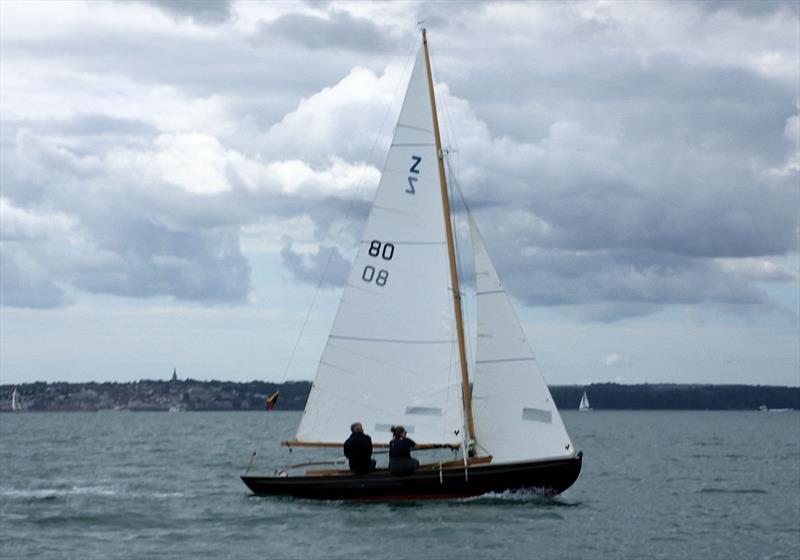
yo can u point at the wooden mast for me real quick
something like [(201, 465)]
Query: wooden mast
[(451, 251)]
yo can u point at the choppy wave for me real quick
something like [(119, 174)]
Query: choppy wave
[(713, 490), (109, 496)]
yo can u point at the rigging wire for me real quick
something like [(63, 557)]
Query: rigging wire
[(460, 266), (446, 156), (454, 358), (346, 220), (452, 161), (448, 122)]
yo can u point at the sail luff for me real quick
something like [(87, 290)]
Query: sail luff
[(451, 253)]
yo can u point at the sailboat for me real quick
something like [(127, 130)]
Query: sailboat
[(584, 406), (396, 353), (14, 400)]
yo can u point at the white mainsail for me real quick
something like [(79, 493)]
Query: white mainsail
[(584, 403), (392, 355), (515, 416)]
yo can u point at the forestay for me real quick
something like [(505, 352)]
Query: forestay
[(391, 357), (515, 417)]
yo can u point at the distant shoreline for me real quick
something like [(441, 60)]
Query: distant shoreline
[(191, 395)]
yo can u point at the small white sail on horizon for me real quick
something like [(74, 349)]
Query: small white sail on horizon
[(584, 405), (14, 400)]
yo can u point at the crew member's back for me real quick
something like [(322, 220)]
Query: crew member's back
[(358, 449), (400, 460)]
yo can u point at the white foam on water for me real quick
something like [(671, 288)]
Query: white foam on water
[(524, 495), (41, 493), (45, 493)]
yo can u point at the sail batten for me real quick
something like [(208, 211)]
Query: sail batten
[(501, 360), (392, 340)]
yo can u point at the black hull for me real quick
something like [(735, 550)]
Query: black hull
[(548, 477)]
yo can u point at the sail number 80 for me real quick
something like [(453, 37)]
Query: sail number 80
[(386, 252), (375, 249)]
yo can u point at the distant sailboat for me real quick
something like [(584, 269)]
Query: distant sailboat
[(396, 354), (584, 406), (14, 400)]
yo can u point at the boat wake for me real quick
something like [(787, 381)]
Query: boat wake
[(525, 496)]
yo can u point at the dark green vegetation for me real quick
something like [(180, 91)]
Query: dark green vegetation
[(668, 396), (189, 394)]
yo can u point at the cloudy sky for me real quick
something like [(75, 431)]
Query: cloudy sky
[(176, 175)]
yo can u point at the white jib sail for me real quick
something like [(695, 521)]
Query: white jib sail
[(584, 402), (392, 356), (515, 417)]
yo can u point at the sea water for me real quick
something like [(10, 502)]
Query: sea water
[(702, 485)]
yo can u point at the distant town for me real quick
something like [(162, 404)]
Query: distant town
[(179, 395), (175, 395)]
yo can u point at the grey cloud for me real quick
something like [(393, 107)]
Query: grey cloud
[(667, 100), (735, 218), (148, 259), (750, 8), (763, 272), (339, 30), (638, 281), (616, 311), (95, 124), (128, 240), (24, 283), (202, 11), (258, 79), (327, 267), (623, 175), (684, 171)]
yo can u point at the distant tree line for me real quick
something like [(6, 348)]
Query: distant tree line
[(189, 394), (667, 396)]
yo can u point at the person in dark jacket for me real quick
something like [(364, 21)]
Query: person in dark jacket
[(400, 460), (358, 449)]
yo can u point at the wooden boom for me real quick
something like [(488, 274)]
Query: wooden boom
[(418, 447)]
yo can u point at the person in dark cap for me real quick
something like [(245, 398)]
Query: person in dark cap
[(358, 449), (400, 460)]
